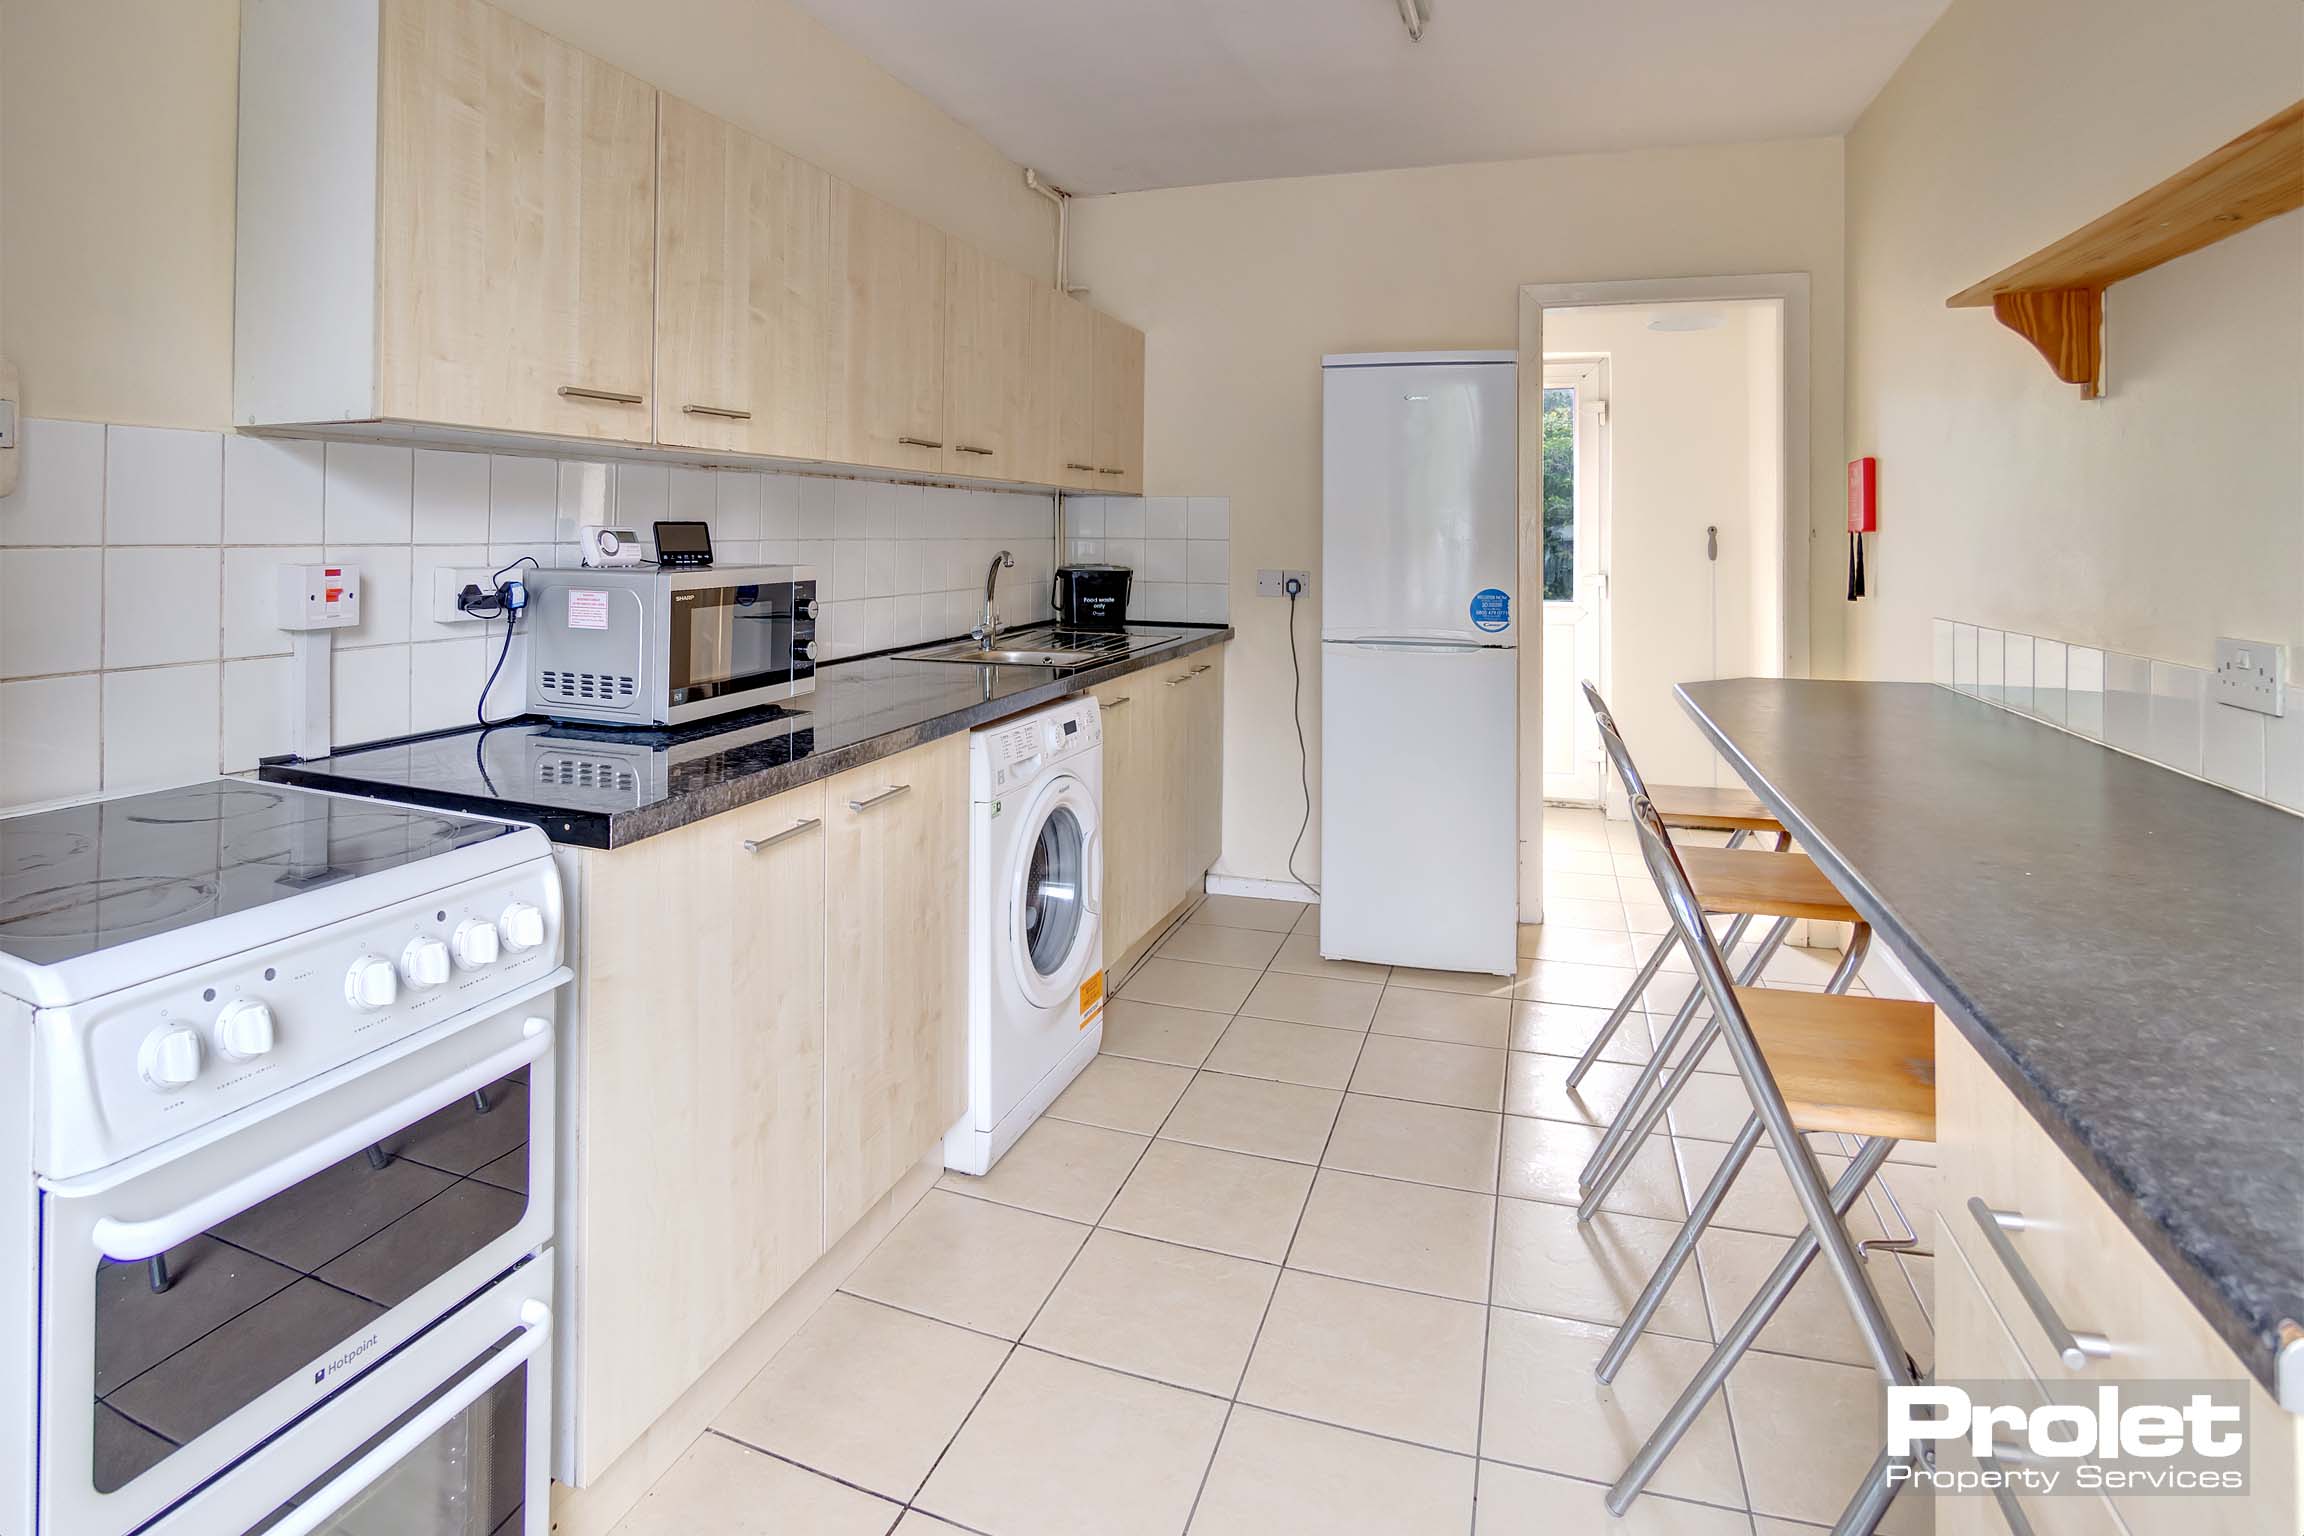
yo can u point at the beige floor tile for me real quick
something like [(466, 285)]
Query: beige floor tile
[(971, 1262), (1208, 1198), (865, 1393), (1300, 956), (1214, 944), (1180, 1315), (1431, 1072), (1547, 1261), (1189, 984), (1517, 1502), (1471, 983), (1318, 1000), (1057, 1448), (1060, 1167), (1450, 1016), (1538, 1086), (1544, 1409), (1273, 1473), (1761, 1198), (1418, 1237), (1646, 917), (1368, 1358), (1290, 1053), (1668, 991), (1255, 1115), (1180, 1037), (1586, 986), (1249, 912), (1588, 946), (915, 1523), (722, 1487), (1716, 1058), (1580, 886), (1542, 1159), (1564, 1029), (1711, 1107), (1809, 1431), (1559, 855), (1123, 1094), (1814, 1321), (1423, 1143), (1769, 1525), (1568, 912)]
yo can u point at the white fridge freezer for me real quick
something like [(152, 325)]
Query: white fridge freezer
[(1419, 843)]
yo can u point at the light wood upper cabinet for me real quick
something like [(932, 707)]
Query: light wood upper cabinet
[(1119, 405), (887, 352), (1072, 364), (998, 411), (896, 840), (744, 290), (515, 240)]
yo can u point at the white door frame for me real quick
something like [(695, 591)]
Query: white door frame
[(1588, 375), (1790, 290)]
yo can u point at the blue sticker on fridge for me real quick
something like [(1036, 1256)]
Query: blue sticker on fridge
[(1491, 609)]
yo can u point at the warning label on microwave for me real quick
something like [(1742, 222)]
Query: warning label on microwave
[(587, 610)]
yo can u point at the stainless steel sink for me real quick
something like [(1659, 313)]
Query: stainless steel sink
[(1042, 645)]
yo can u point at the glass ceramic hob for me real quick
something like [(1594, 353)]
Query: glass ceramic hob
[(83, 878)]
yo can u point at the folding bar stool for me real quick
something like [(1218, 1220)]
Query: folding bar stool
[(1811, 1062)]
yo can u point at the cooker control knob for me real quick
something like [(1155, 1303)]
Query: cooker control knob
[(522, 926), (244, 1030), (371, 983), (424, 963), (474, 943), (808, 649), (170, 1058), (808, 609)]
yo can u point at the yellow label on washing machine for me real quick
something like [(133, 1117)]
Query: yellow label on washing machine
[(1091, 998)]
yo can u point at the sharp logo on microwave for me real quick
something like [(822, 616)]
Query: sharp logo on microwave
[(683, 597), (344, 1361)]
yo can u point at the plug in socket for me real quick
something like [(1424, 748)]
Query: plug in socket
[(1275, 583)]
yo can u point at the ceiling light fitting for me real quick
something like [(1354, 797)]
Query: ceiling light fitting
[(1413, 16)]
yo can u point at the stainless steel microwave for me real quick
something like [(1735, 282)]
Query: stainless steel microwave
[(663, 647)]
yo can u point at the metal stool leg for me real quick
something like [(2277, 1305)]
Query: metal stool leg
[(1676, 1257), (1631, 997), (1746, 1328), (1869, 1504)]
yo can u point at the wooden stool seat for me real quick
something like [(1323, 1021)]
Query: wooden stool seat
[(1864, 1065), (1764, 884), (1702, 808)]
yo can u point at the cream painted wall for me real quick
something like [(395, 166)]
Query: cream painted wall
[(1241, 288), (117, 123), (2152, 520)]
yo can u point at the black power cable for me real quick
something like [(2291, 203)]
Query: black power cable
[(504, 605), (1295, 589)]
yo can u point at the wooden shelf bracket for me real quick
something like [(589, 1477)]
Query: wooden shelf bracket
[(2067, 325)]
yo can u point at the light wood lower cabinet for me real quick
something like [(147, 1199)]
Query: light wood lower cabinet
[(895, 901), (773, 1031), (1163, 792), (2098, 1278)]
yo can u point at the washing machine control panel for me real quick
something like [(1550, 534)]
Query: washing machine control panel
[(1026, 749)]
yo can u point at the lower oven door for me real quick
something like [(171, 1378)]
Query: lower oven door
[(199, 1299), (449, 1437)]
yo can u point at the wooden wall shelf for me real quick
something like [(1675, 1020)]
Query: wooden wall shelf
[(2054, 298)]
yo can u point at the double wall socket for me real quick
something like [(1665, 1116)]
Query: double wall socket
[(1275, 583), (2249, 675)]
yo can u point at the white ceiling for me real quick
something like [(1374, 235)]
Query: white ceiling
[(1119, 95)]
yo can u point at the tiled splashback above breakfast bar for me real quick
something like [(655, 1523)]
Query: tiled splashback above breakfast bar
[(1179, 547), (2158, 710), (137, 643)]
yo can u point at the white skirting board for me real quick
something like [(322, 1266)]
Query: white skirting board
[(1266, 890)]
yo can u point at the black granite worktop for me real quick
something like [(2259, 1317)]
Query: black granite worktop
[(2124, 944), (606, 787)]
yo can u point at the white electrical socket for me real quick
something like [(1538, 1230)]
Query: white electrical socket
[(1275, 583), (2248, 675), (447, 581)]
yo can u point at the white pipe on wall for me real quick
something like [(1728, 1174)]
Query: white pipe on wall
[(1063, 201)]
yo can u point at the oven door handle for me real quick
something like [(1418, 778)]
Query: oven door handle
[(536, 1330), (131, 1241)]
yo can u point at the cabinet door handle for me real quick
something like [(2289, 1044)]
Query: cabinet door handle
[(964, 448), (1111, 471), (1196, 671), (1086, 469), (612, 396), (1113, 704), (919, 442), (716, 410), (2075, 1349), (869, 801), (755, 844), (1172, 682)]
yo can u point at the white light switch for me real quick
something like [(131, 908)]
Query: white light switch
[(2248, 675)]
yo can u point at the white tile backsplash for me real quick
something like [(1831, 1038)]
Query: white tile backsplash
[(1178, 546), (1165, 517), (107, 643), (2049, 668), (1940, 652), (1210, 517), (1964, 657), (2016, 672), (2127, 703), (1991, 662), (2084, 690), (2179, 694), (2284, 757), (2232, 748)]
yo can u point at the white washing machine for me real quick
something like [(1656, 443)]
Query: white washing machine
[(1035, 926)]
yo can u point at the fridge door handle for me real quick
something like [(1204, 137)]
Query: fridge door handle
[(1436, 647)]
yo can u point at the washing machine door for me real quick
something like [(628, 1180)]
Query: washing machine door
[(1054, 893)]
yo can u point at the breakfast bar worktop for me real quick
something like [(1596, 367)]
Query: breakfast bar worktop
[(2122, 944), (607, 787)]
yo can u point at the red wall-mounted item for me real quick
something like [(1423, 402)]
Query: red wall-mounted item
[(1864, 495)]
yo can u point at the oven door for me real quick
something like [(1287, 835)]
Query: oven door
[(201, 1297), (732, 644)]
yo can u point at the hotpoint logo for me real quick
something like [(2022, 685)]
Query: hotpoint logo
[(349, 1358), (2161, 1437)]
